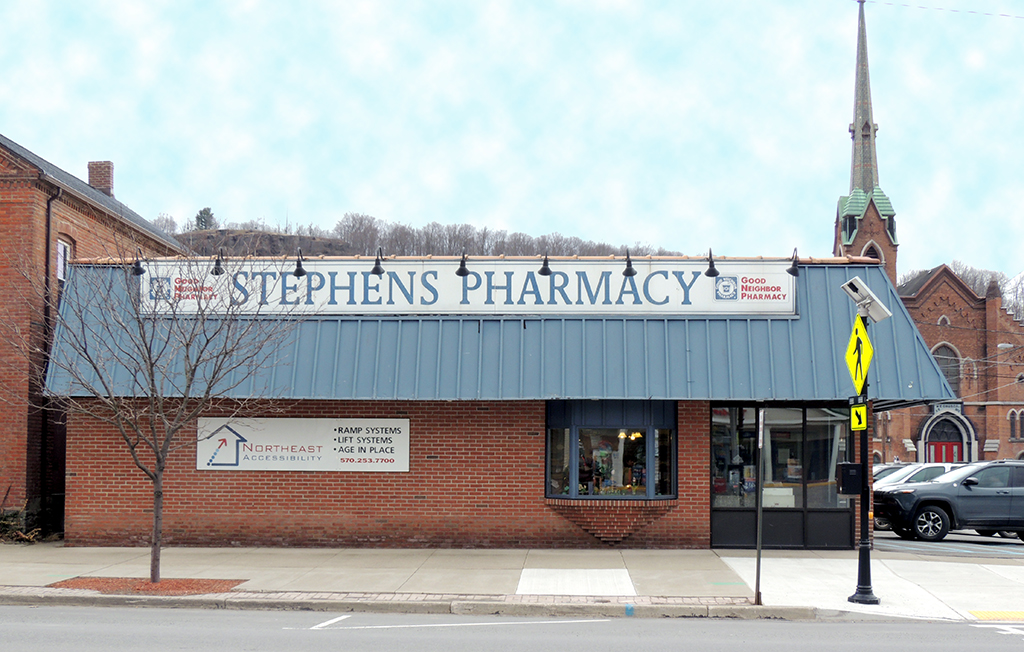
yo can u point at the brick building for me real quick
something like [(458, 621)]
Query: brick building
[(507, 403), (48, 218), (978, 344)]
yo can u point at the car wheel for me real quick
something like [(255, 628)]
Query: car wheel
[(1006, 534), (931, 523), (986, 533), (904, 533), (882, 523)]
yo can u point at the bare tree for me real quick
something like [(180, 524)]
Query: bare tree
[(1013, 297), (361, 231), (148, 355), (166, 223), (365, 233), (432, 238), (977, 279)]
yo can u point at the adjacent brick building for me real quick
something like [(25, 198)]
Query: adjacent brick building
[(48, 218), (980, 347)]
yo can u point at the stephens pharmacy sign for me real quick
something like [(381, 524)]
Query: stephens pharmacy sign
[(492, 287)]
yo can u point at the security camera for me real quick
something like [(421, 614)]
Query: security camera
[(867, 303)]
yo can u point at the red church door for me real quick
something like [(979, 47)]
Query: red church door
[(945, 443), (945, 451)]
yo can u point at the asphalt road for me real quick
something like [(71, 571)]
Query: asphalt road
[(88, 629), (960, 543)]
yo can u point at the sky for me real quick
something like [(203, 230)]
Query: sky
[(684, 124)]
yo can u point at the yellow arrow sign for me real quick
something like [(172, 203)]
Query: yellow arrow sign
[(859, 417), (858, 354)]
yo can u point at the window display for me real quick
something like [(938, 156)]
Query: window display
[(801, 450), (599, 460)]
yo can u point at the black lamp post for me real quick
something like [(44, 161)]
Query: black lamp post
[(869, 309)]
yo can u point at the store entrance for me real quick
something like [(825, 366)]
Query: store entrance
[(801, 505)]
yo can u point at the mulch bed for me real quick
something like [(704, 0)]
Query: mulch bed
[(135, 585)]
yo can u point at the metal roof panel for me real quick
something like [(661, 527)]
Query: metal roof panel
[(799, 358)]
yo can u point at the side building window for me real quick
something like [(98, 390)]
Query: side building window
[(949, 363), (65, 255), (611, 449)]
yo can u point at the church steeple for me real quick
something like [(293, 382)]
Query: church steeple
[(864, 170), (865, 220)]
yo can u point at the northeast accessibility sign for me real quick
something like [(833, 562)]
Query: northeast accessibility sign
[(858, 354)]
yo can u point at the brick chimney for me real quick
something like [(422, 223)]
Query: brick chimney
[(101, 176)]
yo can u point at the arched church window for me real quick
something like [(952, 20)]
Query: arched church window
[(945, 430), (968, 369), (1012, 417), (949, 363), (871, 252), (943, 321)]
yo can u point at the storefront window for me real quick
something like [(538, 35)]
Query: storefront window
[(664, 468), (558, 461), (783, 458), (630, 459), (801, 450), (612, 462), (733, 457), (827, 445)]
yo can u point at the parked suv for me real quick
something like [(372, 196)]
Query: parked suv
[(979, 496), (907, 474)]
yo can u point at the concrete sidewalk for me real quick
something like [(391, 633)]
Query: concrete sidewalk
[(717, 583)]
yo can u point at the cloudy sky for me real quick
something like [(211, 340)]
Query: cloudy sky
[(681, 124)]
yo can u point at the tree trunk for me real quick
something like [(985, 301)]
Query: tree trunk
[(158, 524)]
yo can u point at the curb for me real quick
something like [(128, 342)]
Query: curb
[(458, 607)]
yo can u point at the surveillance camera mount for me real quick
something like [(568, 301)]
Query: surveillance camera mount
[(868, 304)]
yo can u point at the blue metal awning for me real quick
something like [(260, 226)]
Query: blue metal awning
[(726, 358)]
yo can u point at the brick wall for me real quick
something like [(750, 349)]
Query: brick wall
[(476, 478), (28, 436), (947, 312)]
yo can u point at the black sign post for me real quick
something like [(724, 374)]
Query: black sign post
[(864, 594)]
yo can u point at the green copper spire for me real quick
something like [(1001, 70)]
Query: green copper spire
[(864, 170)]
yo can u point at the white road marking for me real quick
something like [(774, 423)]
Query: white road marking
[(537, 622), (1012, 630), (326, 623)]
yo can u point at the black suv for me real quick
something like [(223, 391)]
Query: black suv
[(979, 496)]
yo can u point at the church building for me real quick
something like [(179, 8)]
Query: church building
[(978, 344)]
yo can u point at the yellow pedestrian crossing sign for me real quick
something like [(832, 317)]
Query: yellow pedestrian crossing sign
[(858, 354), (859, 417)]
